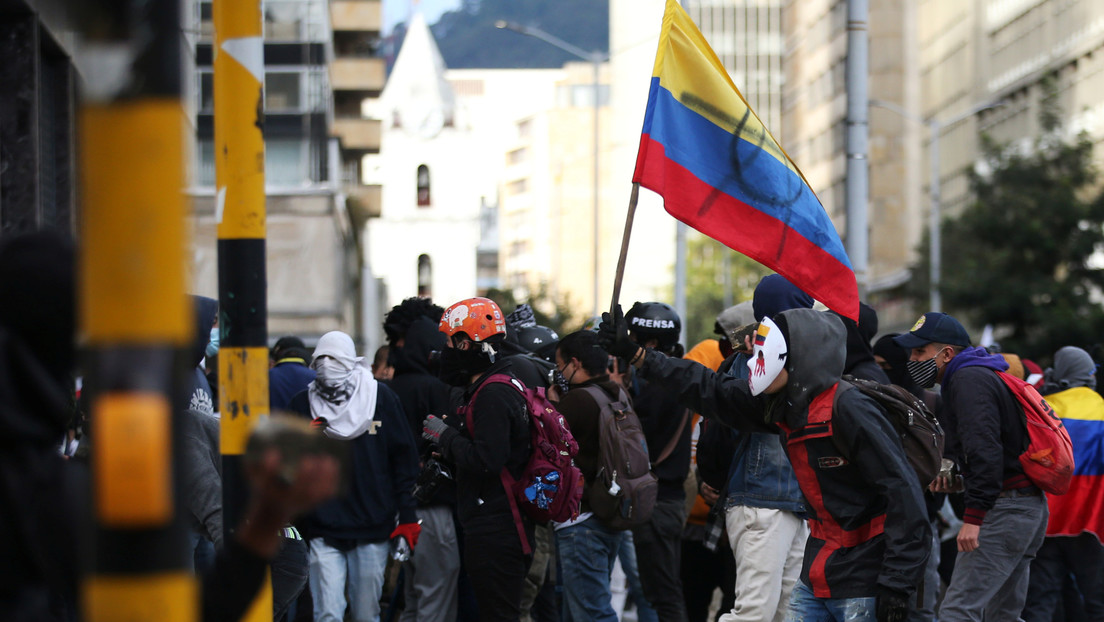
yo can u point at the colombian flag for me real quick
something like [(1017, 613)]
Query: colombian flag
[(720, 171), (1082, 508)]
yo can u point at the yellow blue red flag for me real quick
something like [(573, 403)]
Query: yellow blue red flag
[(720, 171), (1081, 509)]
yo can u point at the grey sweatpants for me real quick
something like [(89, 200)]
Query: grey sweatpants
[(991, 581), (432, 574)]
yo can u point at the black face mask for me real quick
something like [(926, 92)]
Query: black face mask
[(458, 366)]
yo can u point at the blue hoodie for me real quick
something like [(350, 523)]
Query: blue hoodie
[(197, 395)]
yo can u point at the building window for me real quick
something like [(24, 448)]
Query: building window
[(525, 128), (517, 156), (425, 276), (282, 91), (520, 186), (423, 185)]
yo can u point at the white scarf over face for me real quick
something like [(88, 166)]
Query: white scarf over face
[(344, 391)]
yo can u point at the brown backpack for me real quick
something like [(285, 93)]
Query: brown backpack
[(623, 493)]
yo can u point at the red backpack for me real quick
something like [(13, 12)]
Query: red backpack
[(1048, 459), (551, 486)]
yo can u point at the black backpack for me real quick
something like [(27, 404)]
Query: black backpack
[(921, 435)]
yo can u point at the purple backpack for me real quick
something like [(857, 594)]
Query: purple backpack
[(551, 486)]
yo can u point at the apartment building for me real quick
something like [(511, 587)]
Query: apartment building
[(320, 65)]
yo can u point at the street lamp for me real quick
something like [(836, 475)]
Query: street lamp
[(595, 59), (935, 131)]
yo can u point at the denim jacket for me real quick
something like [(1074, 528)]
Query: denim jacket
[(761, 475)]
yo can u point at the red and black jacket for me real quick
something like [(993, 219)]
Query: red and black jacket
[(868, 525)]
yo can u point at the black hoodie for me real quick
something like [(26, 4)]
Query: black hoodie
[(420, 391), (869, 531), (197, 395)]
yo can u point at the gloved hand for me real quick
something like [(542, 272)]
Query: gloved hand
[(613, 335), (891, 606), (432, 428), (410, 531)]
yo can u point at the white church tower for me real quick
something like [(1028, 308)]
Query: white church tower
[(427, 239)]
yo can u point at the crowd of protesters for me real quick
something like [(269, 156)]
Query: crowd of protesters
[(779, 492)]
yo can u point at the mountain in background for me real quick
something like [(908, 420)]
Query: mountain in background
[(468, 39)]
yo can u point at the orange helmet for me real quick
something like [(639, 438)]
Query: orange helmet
[(478, 318)]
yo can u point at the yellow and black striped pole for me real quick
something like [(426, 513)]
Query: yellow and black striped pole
[(240, 211), (135, 320)]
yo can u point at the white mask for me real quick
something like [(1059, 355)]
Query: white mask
[(768, 356), (332, 374)]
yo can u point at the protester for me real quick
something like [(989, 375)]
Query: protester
[(1006, 515), (381, 365), (765, 510), (860, 361), (198, 396), (41, 500), (431, 576), (498, 439), (869, 538), (349, 535), (587, 546), (290, 372), (1072, 545), (667, 428)]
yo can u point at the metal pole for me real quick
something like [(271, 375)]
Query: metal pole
[(596, 64), (857, 137), (935, 301), (240, 196), (134, 315), (680, 276)]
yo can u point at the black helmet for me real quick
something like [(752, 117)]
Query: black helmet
[(654, 320), (534, 338)]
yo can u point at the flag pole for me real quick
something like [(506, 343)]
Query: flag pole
[(624, 247)]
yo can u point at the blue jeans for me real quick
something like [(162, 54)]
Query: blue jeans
[(587, 551), (804, 607), (360, 569)]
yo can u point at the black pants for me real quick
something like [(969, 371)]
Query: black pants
[(496, 566), (1058, 558), (703, 571), (659, 558), (289, 576)]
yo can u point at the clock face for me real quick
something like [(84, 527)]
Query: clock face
[(431, 123)]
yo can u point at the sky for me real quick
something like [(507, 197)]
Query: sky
[(395, 11)]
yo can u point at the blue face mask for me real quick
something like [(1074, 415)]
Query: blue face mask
[(213, 345)]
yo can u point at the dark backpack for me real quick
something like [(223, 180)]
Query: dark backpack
[(550, 487), (623, 493), (921, 435), (1048, 459)]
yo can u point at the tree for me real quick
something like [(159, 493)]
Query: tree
[(1021, 257), (705, 284)]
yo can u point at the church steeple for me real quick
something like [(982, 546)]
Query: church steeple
[(417, 96)]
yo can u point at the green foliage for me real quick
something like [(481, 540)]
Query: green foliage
[(705, 284), (468, 39), (554, 312), (1019, 257)]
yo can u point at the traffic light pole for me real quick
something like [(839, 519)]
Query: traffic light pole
[(240, 212), (135, 318)]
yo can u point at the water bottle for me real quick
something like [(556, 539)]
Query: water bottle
[(400, 549)]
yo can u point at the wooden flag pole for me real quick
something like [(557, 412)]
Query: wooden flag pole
[(624, 247)]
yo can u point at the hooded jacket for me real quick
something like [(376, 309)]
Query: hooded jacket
[(198, 391), (985, 429), (419, 389), (868, 526)]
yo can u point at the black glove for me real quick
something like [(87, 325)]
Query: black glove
[(613, 335), (432, 428), (891, 606)]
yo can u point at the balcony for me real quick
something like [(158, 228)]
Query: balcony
[(358, 74), (358, 134), (356, 15), (363, 202)]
